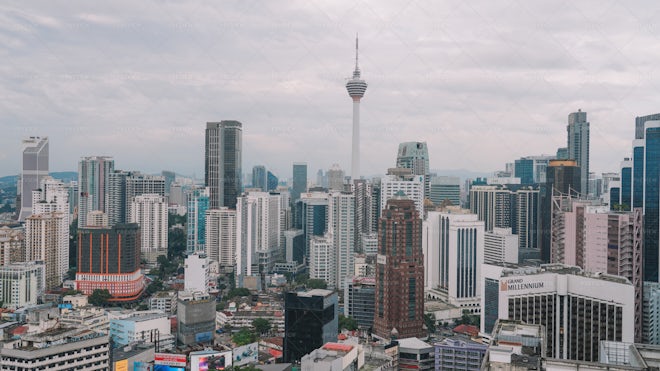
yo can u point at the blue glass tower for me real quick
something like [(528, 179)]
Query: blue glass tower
[(651, 199), (625, 197)]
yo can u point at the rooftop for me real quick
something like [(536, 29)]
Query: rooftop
[(315, 292), (413, 343)]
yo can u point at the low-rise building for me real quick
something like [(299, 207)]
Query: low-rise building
[(59, 348), (148, 326), (459, 354), (416, 354), (334, 357), (93, 318), (164, 301)]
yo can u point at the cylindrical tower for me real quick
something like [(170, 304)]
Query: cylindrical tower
[(356, 88)]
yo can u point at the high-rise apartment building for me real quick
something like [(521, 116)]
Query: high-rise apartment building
[(221, 237), (341, 228), (526, 222), (310, 320), (258, 230), (109, 258), (299, 185), (93, 176), (399, 299), (53, 196), (149, 211), (224, 151), (11, 245), (323, 260), (46, 238), (34, 169), (577, 309), (500, 245), (313, 210), (578, 146), (492, 204), (415, 156), (356, 88), (359, 296)]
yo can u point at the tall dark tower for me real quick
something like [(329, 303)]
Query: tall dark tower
[(563, 176), (399, 300), (223, 163)]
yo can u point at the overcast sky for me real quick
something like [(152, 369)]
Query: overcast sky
[(483, 82)]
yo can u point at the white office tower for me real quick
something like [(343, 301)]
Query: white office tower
[(258, 226), (46, 235), (53, 196), (577, 308), (221, 237), (492, 204), (93, 175), (500, 246), (35, 168), (197, 276), (335, 178), (150, 212), (341, 228), (356, 88), (402, 180), (453, 246), (97, 218), (370, 243), (322, 260), (21, 284)]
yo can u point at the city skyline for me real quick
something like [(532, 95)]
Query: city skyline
[(103, 80)]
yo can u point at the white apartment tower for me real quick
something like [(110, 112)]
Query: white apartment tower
[(411, 185), (53, 196), (258, 226), (46, 236), (322, 260), (341, 228), (150, 212), (221, 237)]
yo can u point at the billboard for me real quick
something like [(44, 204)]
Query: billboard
[(168, 368), (210, 360), (204, 337), (142, 366), (166, 359), (246, 354), (121, 365)]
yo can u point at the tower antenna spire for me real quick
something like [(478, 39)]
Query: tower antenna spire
[(356, 51)]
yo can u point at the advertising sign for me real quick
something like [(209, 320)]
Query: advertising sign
[(210, 360), (203, 337), (142, 366), (121, 365), (168, 368), (166, 359), (246, 354)]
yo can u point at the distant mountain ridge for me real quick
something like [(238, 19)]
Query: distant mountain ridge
[(65, 176)]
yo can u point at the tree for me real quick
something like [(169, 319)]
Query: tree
[(348, 323), (261, 325), (242, 291), (244, 337), (176, 243), (429, 321), (316, 284), (99, 297)]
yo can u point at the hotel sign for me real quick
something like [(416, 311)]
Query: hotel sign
[(516, 284)]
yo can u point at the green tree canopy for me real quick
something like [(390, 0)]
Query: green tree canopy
[(243, 337), (99, 297), (261, 325), (348, 323), (314, 283)]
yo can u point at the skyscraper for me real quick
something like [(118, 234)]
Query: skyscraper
[(197, 200), (93, 175), (46, 236), (221, 237), (35, 168), (399, 272), (310, 320), (415, 156), (299, 180), (223, 163), (651, 200), (259, 178), (578, 146), (356, 88)]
